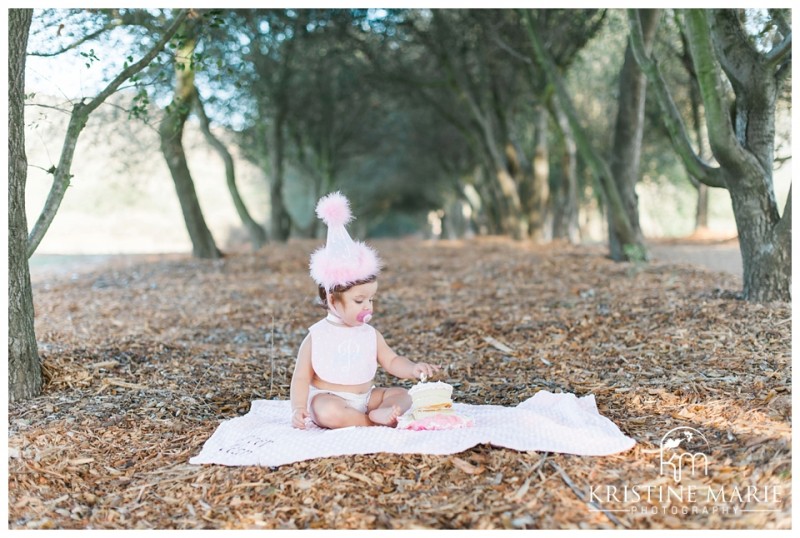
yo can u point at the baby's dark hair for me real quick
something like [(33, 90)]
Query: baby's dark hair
[(338, 290)]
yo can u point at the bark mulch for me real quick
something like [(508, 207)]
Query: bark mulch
[(144, 359)]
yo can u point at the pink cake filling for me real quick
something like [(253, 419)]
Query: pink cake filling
[(438, 422)]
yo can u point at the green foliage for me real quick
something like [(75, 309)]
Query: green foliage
[(91, 57), (214, 18), (140, 105)]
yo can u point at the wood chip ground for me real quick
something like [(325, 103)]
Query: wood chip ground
[(144, 358)]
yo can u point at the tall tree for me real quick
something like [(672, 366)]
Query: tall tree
[(171, 134), (565, 201), (25, 376), (258, 236), (626, 150), (404, 69), (448, 60), (741, 133), (538, 201), (550, 196), (24, 369)]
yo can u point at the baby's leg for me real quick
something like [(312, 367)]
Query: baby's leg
[(330, 411), (386, 405)]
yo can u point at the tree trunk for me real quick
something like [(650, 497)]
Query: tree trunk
[(701, 212), (507, 206), (540, 186), (627, 149), (766, 247), (497, 205), (491, 215), (281, 222), (565, 219), (513, 222), (171, 132), (61, 176), (258, 237), (24, 367), (695, 101)]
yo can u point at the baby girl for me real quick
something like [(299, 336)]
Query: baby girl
[(333, 379)]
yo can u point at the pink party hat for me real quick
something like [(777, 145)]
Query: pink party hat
[(341, 261)]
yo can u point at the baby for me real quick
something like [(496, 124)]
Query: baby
[(333, 379)]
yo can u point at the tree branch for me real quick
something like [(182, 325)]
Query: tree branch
[(778, 16), (779, 52), (76, 44), (722, 137), (672, 118), (130, 18), (57, 109), (734, 49), (141, 64), (514, 53), (80, 115)]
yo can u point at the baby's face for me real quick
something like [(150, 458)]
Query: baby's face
[(355, 303)]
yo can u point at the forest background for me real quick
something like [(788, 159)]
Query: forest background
[(403, 164)]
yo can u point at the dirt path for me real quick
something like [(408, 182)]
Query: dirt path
[(45, 267), (713, 255)]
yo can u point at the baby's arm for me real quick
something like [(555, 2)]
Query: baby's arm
[(400, 366), (301, 379)]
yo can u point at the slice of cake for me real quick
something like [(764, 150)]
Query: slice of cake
[(429, 399), (432, 409)]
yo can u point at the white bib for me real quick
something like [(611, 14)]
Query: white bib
[(343, 355)]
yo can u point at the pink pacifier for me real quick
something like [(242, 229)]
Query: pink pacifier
[(364, 317)]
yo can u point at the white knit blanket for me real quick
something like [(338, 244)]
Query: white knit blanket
[(546, 422)]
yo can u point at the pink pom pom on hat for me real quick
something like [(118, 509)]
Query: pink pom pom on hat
[(341, 261)]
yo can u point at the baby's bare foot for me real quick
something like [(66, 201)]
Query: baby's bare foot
[(385, 416)]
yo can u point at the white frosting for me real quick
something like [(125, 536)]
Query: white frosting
[(424, 387)]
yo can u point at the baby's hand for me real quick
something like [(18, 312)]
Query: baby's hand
[(424, 369), (299, 416)]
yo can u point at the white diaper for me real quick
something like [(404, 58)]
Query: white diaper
[(356, 401)]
